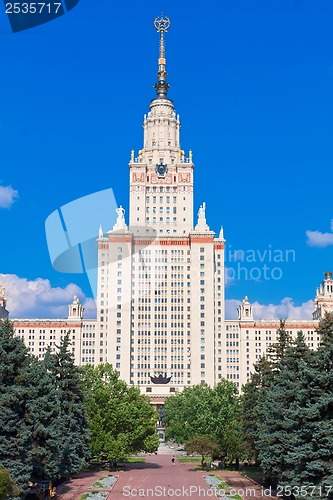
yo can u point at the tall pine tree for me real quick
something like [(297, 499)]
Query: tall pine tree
[(74, 437), (253, 391), (15, 394), (45, 420), (311, 459), (278, 419)]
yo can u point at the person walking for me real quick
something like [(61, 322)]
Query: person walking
[(173, 460)]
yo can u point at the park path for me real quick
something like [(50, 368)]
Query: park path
[(159, 478)]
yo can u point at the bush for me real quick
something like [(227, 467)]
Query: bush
[(7, 485)]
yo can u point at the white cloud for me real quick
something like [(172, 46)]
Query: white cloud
[(7, 196), (285, 310), (37, 298), (231, 306), (318, 239)]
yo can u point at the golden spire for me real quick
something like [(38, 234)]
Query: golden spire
[(162, 24)]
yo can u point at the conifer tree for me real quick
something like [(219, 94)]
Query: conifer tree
[(256, 399), (276, 351), (73, 441), (15, 394), (252, 392), (310, 460), (45, 420), (279, 419)]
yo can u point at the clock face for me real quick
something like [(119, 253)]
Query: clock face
[(161, 170)]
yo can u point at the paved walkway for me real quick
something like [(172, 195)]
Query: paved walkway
[(159, 478)]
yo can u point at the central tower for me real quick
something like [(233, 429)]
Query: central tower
[(161, 177), (160, 278)]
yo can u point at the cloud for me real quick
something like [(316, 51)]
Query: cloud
[(231, 306), (38, 299), (8, 196), (285, 310), (318, 239)]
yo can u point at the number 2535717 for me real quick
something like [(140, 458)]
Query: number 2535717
[(33, 8)]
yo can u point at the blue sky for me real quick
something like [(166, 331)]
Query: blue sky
[(252, 82)]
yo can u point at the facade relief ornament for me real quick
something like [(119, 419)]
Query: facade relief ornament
[(184, 177), (138, 177)]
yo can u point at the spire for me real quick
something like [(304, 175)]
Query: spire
[(162, 24)]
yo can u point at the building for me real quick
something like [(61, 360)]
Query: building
[(160, 302), (160, 286)]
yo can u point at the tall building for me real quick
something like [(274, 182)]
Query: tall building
[(160, 282), (160, 302)]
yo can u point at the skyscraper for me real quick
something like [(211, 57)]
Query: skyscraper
[(160, 280)]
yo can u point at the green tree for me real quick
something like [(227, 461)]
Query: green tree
[(16, 388), (189, 413), (253, 391), (293, 408), (32, 425), (277, 350), (309, 463), (202, 410), (73, 441), (151, 443), (279, 418), (256, 394), (121, 420), (44, 418), (202, 445), (7, 485)]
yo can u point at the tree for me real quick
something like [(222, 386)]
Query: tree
[(279, 418), (205, 411), (121, 420), (256, 393), (294, 414), (309, 463), (276, 351), (44, 418), (7, 485), (151, 443), (73, 441), (15, 391), (202, 445), (252, 392), (188, 414)]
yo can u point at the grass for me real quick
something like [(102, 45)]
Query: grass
[(97, 485), (98, 465), (135, 460), (223, 486), (94, 494), (188, 459)]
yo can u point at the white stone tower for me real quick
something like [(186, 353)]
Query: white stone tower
[(245, 310), (324, 297), (75, 310)]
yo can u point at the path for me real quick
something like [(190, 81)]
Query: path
[(158, 478)]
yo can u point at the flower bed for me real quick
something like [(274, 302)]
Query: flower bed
[(222, 488), (95, 495), (105, 482)]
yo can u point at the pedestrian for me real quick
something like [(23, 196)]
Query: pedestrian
[(173, 460)]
